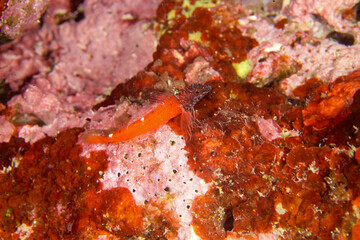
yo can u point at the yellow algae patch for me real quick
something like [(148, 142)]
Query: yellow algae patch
[(195, 36), (242, 68), (188, 8)]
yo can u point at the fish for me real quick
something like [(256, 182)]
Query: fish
[(183, 102)]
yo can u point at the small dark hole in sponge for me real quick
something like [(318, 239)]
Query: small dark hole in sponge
[(357, 11), (346, 39)]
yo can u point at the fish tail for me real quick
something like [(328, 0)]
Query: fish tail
[(96, 139)]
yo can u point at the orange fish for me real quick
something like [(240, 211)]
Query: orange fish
[(181, 103)]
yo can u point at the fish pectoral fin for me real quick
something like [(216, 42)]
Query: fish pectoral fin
[(187, 122)]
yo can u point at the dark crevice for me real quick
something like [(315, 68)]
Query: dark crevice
[(4, 39), (229, 220)]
